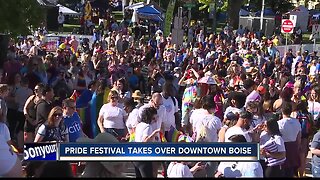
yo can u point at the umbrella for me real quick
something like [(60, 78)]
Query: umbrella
[(207, 80)]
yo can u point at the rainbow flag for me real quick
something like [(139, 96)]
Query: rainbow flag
[(132, 137), (173, 134), (162, 137)]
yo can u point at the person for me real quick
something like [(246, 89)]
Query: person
[(60, 22), (189, 79), (206, 128), (10, 163), (315, 150), (171, 105), (156, 102), (21, 95), (29, 111), (44, 106), (231, 120), (53, 129), (300, 112), (4, 92), (102, 168), (290, 129), (71, 119), (138, 97), (239, 169), (145, 133), (273, 149), (112, 118), (181, 169), (242, 127)]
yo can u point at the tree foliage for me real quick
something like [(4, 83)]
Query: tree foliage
[(282, 6), (17, 16)]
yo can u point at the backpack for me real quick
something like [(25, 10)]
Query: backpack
[(306, 124)]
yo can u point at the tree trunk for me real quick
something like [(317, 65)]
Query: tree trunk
[(233, 12)]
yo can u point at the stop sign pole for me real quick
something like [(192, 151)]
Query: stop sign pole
[(287, 27)]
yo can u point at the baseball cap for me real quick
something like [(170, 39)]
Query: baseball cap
[(261, 90), (231, 116)]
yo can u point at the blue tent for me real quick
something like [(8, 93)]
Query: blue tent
[(153, 17), (148, 10), (267, 12)]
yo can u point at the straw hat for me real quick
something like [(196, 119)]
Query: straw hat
[(137, 94)]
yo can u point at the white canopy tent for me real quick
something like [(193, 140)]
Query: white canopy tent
[(136, 6), (67, 11), (302, 14)]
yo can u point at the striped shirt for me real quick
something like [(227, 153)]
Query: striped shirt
[(274, 144)]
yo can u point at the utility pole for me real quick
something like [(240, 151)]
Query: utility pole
[(261, 18)]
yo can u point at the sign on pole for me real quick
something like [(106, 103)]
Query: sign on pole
[(293, 18), (316, 31), (287, 26)]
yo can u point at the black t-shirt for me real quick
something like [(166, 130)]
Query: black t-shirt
[(43, 109)]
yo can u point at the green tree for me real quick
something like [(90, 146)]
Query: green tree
[(233, 12), (276, 5), (18, 16)]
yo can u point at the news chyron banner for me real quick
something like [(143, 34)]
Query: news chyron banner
[(143, 152)]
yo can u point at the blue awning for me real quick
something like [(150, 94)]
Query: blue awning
[(148, 10), (152, 17)]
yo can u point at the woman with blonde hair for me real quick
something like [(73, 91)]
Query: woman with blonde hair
[(53, 129), (112, 118)]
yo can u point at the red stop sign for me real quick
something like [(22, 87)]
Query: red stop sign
[(287, 26)]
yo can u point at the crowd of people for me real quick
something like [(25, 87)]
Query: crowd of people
[(232, 86)]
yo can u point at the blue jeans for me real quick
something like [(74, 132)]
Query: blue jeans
[(315, 171)]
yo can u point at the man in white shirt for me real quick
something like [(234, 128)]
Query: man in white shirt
[(242, 126), (171, 105), (60, 22), (156, 102)]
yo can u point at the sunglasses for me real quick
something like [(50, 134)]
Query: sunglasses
[(57, 114)]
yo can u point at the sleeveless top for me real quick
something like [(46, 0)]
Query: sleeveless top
[(31, 109)]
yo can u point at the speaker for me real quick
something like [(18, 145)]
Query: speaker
[(52, 18), (4, 41)]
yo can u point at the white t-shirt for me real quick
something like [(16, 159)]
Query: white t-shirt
[(113, 117), (195, 115), (178, 170), (171, 109), (7, 157), (231, 109), (289, 128), (314, 108), (161, 113), (237, 130), (240, 169), (143, 130), (132, 120), (213, 124), (4, 131)]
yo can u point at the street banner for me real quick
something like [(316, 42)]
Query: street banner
[(169, 18)]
